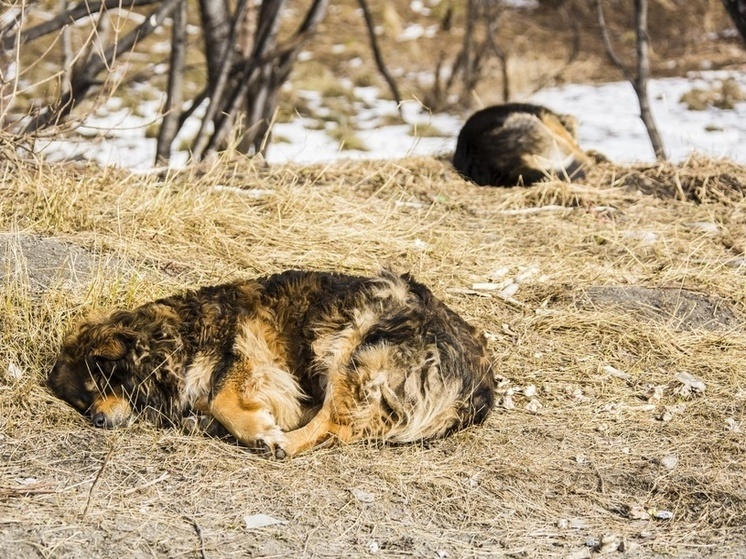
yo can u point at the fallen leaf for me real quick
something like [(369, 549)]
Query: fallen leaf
[(614, 372), (254, 521)]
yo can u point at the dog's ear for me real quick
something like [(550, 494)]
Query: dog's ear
[(115, 344), (106, 338)]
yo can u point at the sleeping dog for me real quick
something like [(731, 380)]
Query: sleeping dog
[(285, 362)]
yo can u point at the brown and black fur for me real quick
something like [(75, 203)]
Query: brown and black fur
[(285, 362), (518, 143)]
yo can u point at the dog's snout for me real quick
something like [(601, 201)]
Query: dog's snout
[(99, 420)]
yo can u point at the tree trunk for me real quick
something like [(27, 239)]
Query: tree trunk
[(216, 27), (175, 89), (639, 80), (643, 75), (737, 11)]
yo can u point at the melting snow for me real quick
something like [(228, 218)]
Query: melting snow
[(608, 116)]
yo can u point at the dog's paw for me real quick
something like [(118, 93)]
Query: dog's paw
[(271, 445)]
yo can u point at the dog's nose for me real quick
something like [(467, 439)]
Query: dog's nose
[(99, 420)]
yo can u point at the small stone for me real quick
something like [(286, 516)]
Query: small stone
[(609, 543), (592, 543), (363, 496), (663, 515), (14, 371), (669, 462), (507, 401), (533, 406)]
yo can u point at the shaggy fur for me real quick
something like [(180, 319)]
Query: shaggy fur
[(285, 362), (518, 143)]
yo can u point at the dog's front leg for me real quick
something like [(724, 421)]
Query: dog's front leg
[(251, 422)]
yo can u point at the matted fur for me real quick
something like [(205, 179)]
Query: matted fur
[(285, 362), (518, 143)]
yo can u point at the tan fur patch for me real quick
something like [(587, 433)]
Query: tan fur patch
[(266, 378), (198, 379), (391, 288)]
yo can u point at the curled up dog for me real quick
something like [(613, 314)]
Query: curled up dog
[(285, 363), (518, 144)]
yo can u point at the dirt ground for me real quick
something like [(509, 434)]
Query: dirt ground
[(613, 309)]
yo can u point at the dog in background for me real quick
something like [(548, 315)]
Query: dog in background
[(518, 143), (285, 362)]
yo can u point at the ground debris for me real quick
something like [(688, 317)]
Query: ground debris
[(689, 385), (255, 521)]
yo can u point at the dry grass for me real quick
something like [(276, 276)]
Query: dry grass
[(586, 456)]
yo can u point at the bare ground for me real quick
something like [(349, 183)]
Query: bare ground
[(595, 297)]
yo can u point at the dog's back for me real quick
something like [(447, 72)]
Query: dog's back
[(518, 143)]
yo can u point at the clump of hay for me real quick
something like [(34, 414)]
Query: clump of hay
[(698, 179)]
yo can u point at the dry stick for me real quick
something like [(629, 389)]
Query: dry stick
[(377, 53), (95, 482), (198, 529), (174, 94), (159, 479)]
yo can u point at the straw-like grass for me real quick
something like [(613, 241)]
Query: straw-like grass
[(594, 441)]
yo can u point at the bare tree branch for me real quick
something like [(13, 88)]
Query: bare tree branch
[(639, 80), (86, 78), (81, 10), (573, 54), (607, 43), (217, 90), (380, 64), (216, 28), (643, 74)]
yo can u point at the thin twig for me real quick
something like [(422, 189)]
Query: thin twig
[(95, 482), (198, 529), (159, 479)]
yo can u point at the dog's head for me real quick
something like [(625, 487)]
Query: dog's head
[(94, 371)]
